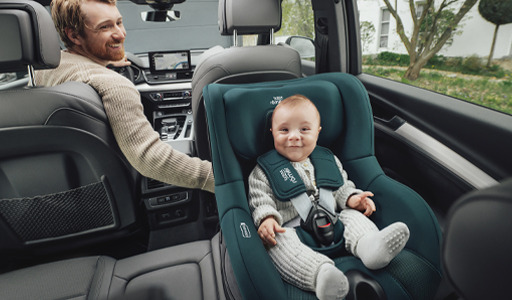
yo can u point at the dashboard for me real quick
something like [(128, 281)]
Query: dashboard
[(163, 80)]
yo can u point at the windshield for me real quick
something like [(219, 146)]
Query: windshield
[(197, 28)]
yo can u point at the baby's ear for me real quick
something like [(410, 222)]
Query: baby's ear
[(319, 128)]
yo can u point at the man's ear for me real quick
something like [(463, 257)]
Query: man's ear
[(72, 36)]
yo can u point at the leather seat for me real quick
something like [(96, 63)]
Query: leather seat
[(64, 185), (241, 64), (477, 246), (239, 122), (64, 181), (179, 272)]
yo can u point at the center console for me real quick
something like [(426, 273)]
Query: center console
[(167, 99)]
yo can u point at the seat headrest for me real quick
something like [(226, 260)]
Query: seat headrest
[(249, 109), (249, 16), (28, 36)]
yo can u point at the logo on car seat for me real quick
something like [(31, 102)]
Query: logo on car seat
[(246, 233), (287, 175), (276, 99)]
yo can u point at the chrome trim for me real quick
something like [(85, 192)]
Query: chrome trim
[(446, 157)]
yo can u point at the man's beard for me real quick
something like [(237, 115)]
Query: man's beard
[(104, 53)]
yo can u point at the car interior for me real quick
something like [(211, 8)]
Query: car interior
[(78, 222)]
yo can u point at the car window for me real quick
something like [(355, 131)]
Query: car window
[(457, 65), (196, 28)]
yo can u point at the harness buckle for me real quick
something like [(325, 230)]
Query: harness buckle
[(320, 225)]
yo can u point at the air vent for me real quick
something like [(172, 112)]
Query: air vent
[(155, 184)]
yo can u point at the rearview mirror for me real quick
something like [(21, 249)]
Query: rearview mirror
[(160, 15)]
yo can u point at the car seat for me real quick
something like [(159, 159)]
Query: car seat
[(476, 248), (241, 64), (64, 181), (239, 122)]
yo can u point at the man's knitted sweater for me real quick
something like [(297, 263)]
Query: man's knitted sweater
[(137, 139), (263, 203)]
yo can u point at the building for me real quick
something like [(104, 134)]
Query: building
[(475, 39)]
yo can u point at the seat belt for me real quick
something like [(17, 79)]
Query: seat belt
[(318, 218)]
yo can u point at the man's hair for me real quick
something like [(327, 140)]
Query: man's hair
[(294, 101), (68, 14)]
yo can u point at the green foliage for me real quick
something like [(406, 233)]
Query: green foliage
[(297, 18), (436, 25), (472, 65), (367, 31), (481, 90), (498, 12), (390, 58)]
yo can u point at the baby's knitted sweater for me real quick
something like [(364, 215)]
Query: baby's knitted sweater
[(137, 139), (263, 203)]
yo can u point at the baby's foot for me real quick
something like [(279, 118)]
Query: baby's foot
[(377, 249), (331, 283)]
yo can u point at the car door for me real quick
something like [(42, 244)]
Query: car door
[(439, 145)]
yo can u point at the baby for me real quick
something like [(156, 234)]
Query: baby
[(295, 129)]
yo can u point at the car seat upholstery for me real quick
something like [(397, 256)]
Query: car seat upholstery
[(241, 64), (476, 248), (63, 182), (63, 177), (180, 272), (239, 122)]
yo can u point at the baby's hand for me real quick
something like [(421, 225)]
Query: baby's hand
[(362, 203), (267, 231)]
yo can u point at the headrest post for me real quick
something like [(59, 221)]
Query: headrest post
[(234, 38), (31, 76), (271, 36)]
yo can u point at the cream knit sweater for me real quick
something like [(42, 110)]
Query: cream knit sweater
[(136, 137)]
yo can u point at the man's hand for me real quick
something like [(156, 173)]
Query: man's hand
[(268, 229), (362, 203)]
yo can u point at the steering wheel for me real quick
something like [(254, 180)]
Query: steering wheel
[(126, 71)]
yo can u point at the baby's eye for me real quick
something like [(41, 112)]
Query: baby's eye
[(305, 129), (283, 129)]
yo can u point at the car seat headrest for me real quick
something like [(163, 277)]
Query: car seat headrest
[(249, 110), (28, 36), (248, 16)]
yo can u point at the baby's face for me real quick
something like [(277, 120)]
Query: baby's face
[(295, 131)]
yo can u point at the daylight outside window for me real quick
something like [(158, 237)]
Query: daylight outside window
[(473, 63)]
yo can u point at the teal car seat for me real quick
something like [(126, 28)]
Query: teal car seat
[(239, 123)]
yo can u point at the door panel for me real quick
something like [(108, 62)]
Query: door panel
[(440, 146)]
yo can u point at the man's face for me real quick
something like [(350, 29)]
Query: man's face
[(104, 32), (295, 131)]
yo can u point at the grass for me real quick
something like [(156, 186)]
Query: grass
[(484, 90)]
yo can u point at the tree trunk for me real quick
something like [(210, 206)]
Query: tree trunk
[(492, 46), (413, 71)]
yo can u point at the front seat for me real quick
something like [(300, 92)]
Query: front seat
[(239, 122), (477, 246), (63, 181), (241, 64)]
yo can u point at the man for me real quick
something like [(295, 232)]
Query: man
[(93, 33)]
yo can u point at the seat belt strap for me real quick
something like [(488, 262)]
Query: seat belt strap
[(302, 205)]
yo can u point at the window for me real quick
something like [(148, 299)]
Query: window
[(384, 28), (460, 69)]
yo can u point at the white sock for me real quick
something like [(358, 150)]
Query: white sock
[(377, 249), (331, 283)]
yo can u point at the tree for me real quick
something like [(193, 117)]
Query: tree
[(297, 18), (432, 29), (498, 12), (367, 31)]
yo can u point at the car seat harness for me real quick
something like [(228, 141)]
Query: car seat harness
[(318, 217)]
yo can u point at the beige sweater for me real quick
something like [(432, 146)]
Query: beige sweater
[(136, 137)]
